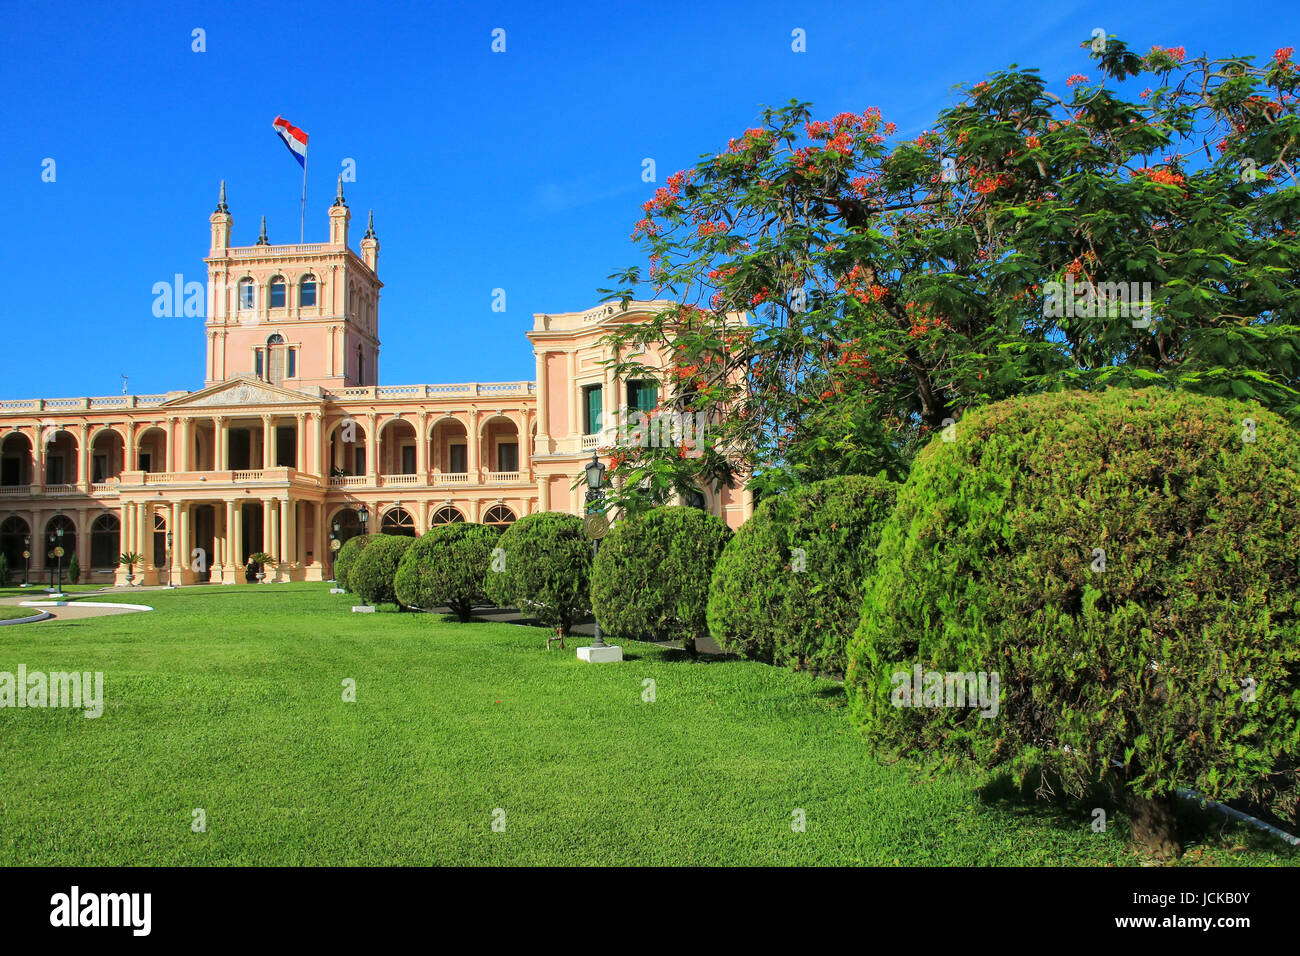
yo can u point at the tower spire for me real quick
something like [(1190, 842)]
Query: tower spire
[(370, 227), (221, 200), (339, 200), (262, 240)]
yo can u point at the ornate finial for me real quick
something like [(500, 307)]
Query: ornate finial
[(370, 226), (339, 200), (221, 202), (262, 240)]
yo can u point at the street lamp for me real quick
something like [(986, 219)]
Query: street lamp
[(169, 558), (333, 548), (364, 516), (58, 551), (49, 553), (595, 470), (27, 560)]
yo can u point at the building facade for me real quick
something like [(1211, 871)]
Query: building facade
[(292, 441)]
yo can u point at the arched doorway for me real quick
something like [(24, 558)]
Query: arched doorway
[(106, 543), (15, 460), (15, 538)]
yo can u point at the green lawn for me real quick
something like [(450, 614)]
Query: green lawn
[(229, 699), (8, 611)]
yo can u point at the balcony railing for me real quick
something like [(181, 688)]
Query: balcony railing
[(399, 479), (15, 491), (451, 478), (501, 477), (347, 481)]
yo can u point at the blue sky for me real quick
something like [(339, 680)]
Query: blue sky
[(519, 171)]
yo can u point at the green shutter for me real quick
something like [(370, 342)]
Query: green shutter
[(593, 409)]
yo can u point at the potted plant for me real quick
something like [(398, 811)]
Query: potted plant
[(130, 559), (262, 560)]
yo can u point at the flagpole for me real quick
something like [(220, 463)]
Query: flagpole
[(302, 222)]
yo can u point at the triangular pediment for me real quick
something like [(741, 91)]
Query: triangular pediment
[(242, 391)]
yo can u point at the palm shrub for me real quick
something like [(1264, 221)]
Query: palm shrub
[(371, 574), (543, 569), (347, 556), (788, 587), (650, 580), (1125, 563), (448, 565)]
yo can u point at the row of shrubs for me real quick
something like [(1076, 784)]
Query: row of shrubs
[(1126, 562)]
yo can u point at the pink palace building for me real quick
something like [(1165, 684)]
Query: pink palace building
[(292, 441)]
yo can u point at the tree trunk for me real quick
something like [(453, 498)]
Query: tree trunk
[(1152, 825)]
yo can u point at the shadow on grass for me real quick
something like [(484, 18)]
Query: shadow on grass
[(1042, 798)]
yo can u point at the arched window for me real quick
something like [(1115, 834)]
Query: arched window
[(275, 358), (247, 293), (398, 521), (499, 516), (446, 515), (15, 538), (307, 291), (68, 541), (277, 292), (105, 542)]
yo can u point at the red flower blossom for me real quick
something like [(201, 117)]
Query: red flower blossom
[(1076, 78)]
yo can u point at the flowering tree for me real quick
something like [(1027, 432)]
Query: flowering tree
[(838, 294)]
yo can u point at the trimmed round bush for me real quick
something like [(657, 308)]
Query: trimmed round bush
[(788, 588), (545, 570), (650, 580), (347, 556), (1124, 563), (448, 565), (371, 575)]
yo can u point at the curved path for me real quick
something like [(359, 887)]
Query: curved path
[(72, 610)]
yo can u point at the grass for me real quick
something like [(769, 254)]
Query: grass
[(230, 700), (9, 612)]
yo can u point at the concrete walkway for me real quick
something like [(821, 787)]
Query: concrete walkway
[(74, 610)]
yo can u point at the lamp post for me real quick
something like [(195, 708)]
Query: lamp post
[(27, 560), (595, 470), (169, 558), (49, 553), (333, 549), (364, 516), (58, 552)]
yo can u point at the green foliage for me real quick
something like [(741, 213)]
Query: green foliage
[(371, 574), (650, 580), (545, 570), (74, 571), (448, 565), (788, 588), (347, 556), (130, 559), (991, 563), (4, 571), (890, 283)]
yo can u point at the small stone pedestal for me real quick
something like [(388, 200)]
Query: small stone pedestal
[(601, 655), (363, 609), (337, 591)]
